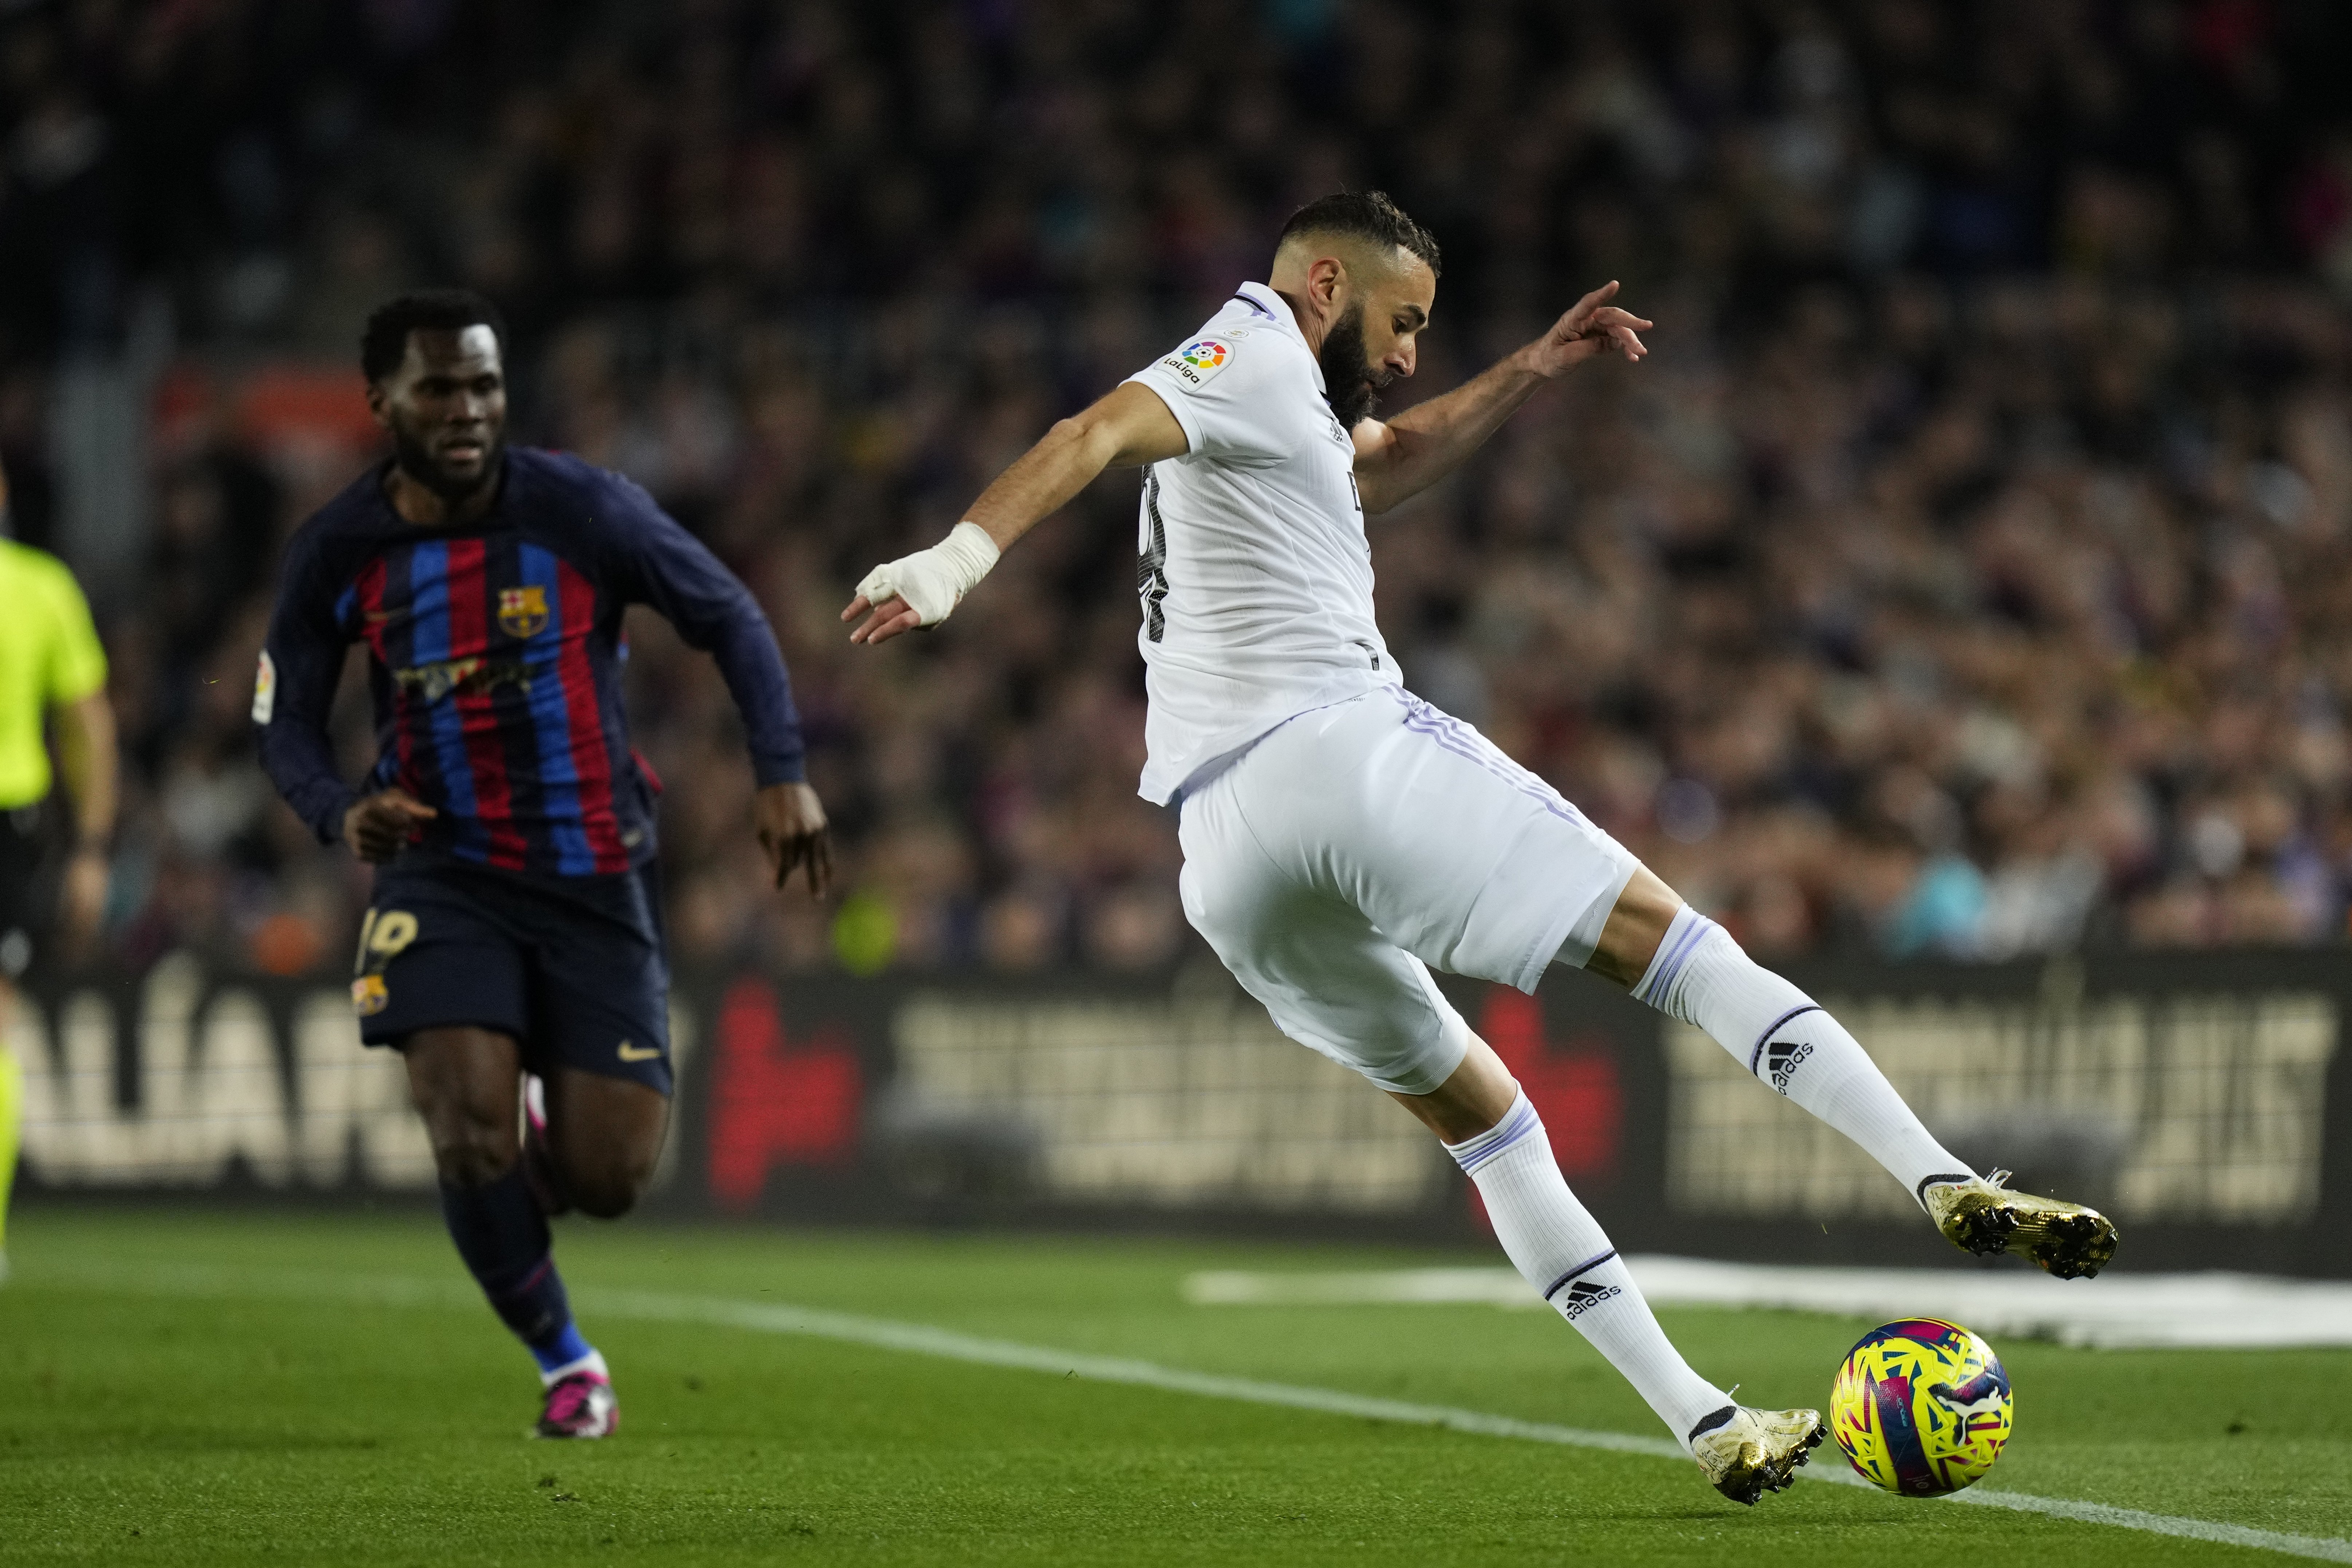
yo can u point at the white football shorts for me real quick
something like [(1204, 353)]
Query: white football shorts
[(1358, 846)]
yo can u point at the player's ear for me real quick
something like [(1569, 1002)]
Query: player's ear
[(375, 401), (1326, 281)]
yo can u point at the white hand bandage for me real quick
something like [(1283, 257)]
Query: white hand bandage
[(933, 581)]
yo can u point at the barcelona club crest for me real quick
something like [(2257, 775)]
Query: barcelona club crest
[(522, 611)]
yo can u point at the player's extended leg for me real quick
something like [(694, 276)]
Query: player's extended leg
[(1488, 1125), (465, 1082), (1689, 968), (1287, 855)]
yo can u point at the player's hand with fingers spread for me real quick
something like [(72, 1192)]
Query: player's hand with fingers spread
[(379, 826), (794, 832), (921, 588), (1593, 326)]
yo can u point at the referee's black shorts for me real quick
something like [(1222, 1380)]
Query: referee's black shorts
[(24, 889)]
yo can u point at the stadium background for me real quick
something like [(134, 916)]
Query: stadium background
[(1955, 604)]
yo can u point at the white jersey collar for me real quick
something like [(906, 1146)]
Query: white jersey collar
[(1264, 303)]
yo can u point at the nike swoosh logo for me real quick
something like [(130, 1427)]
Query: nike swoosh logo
[(378, 617), (638, 1053)]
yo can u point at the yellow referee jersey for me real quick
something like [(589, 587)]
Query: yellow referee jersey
[(49, 655)]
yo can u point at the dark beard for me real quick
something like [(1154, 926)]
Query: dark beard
[(1351, 385), (410, 455)]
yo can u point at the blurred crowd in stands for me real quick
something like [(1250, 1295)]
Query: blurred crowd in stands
[(1967, 571)]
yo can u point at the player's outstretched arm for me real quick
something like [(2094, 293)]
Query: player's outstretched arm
[(1127, 427), (657, 562), (1404, 456)]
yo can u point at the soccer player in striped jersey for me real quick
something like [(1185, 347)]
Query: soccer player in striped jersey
[(513, 951)]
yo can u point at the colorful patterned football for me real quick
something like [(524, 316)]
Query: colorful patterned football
[(1921, 1407)]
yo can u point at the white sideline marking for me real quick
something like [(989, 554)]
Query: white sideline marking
[(2118, 1312), (921, 1339)]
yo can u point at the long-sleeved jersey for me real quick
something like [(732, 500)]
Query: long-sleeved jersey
[(495, 660)]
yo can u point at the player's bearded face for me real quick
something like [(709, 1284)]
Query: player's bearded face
[(451, 476), (1351, 382), (446, 411)]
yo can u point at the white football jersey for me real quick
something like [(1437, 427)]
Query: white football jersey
[(1255, 575)]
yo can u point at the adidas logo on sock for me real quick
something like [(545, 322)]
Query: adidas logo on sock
[(1583, 1294), (1780, 1059)]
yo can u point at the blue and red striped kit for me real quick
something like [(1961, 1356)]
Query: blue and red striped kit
[(495, 656)]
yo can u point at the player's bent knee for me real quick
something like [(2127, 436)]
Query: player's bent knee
[(610, 1190), (1637, 923), (462, 1082), (605, 1136), (605, 1202), (470, 1150), (474, 1137)]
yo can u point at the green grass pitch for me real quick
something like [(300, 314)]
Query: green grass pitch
[(298, 1410)]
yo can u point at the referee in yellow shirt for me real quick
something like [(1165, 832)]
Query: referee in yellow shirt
[(52, 673)]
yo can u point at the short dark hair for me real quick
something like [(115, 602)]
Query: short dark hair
[(385, 342), (1366, 214)]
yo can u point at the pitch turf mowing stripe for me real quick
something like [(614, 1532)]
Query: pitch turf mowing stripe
[(920, 1339)]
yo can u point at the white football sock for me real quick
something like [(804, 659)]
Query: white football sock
[(1563, 1252), (593, 1362), (1782, 1036)]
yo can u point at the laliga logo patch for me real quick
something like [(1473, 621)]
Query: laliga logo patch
[(1206, 355), (522, 611), (1195, 363), (265, 689)]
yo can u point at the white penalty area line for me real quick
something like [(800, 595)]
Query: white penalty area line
[(921, 1339)]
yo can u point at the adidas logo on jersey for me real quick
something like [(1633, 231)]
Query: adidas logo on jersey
[(1584, 1295), (1780, 1059)]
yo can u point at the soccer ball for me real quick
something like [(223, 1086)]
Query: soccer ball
[(1921, 1407)]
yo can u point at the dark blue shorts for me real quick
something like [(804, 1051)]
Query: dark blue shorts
[(573, 967)]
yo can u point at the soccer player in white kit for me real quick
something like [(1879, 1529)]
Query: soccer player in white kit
[(1342, 838)]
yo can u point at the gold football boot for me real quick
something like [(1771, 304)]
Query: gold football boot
[(1982, 1215), (1747, 1453)]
